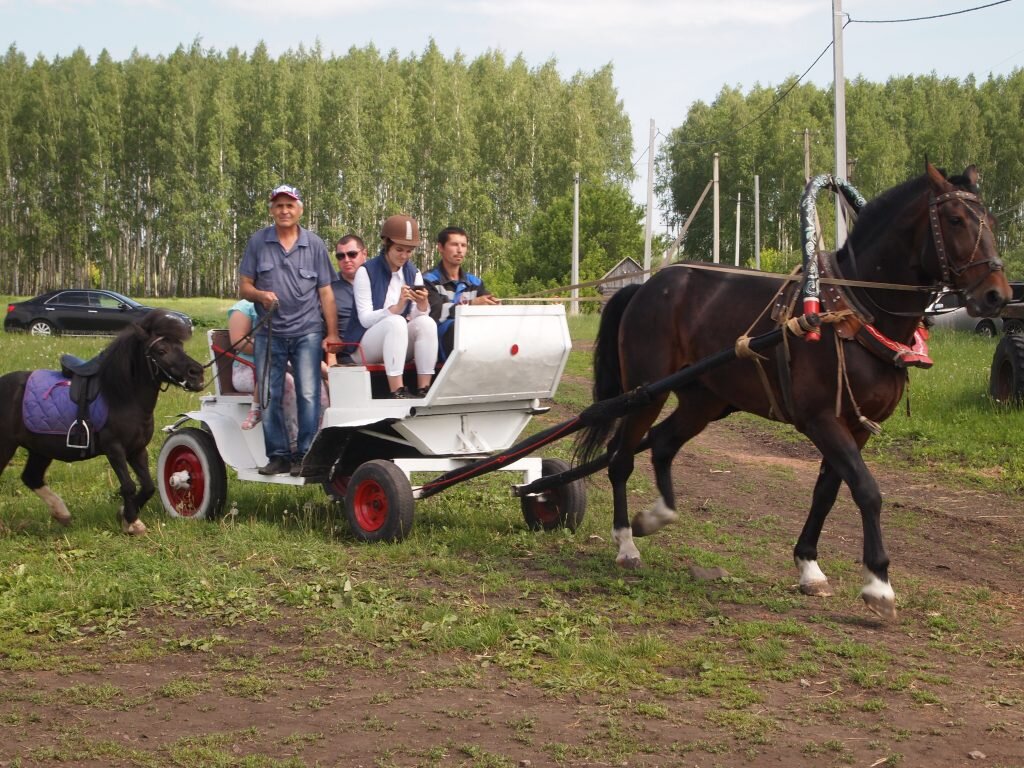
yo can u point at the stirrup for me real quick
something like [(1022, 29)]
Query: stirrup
[(81, 431)]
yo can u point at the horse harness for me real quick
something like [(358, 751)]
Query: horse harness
[(852, 321)]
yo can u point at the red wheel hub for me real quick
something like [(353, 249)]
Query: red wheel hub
[(185, 500), (370, 506)]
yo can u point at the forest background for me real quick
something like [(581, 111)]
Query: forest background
[(148, 175)]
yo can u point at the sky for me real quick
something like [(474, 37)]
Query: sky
[(665, 54)]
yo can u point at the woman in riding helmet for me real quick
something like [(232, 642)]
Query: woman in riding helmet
[(392, 319)]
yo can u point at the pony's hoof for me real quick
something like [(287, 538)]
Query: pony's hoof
[(64, 520), (629, 563), (137, 528), (816, 589), (885, 607)]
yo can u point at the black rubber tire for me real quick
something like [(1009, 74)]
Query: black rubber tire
[(192, 451), (560, 507), (40, 328), (379, 503), (986, 328), (1006, 381), (1013, 326)]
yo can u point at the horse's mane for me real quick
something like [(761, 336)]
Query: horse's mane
[(124, 365), (878, 214)]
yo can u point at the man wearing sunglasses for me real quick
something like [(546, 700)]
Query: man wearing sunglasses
[(350, 252)]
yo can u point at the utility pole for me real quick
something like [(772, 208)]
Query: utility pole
[(839, 87), (757, 221), (649, 227), (807, 155), (574, 309), (714, 200), (739, 200)]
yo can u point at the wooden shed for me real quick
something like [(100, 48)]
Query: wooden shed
[(626, 272)]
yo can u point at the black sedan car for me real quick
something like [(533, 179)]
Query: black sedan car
[(76, 311)]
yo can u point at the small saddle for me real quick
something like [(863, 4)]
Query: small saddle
[(85, 387)]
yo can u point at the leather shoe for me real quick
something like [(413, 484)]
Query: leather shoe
[(278, 465), (296, 469), (399, 394)]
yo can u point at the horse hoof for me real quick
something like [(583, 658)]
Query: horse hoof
[(629, 563), (883, 606), (64, 520), (138, 528), (816, 589)]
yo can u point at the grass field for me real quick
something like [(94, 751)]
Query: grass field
[(471, 585)]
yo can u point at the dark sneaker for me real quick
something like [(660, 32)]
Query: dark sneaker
[(399, 394), (421, 391), (278, 465), (296, 469)]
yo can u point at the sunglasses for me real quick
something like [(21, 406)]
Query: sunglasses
[(349, 254)]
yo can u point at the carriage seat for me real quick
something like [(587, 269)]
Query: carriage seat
[(71, 365), (220, 342)]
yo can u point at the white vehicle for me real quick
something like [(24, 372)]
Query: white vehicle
[(506, 359)]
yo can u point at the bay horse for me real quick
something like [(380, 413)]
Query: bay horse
[(925, 233), (136, 366)]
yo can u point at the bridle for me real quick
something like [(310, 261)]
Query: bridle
[(158, 371), (949, 270)]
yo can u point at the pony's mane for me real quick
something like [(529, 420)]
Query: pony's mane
[(124, 360)]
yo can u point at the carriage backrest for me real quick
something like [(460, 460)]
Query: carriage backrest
[(219, 340)]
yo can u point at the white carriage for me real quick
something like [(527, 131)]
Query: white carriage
[(506, 361)]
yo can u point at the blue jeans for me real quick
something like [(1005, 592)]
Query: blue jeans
[(304, 353)]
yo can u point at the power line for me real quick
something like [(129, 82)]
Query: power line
[(770, 107), (851, 20)]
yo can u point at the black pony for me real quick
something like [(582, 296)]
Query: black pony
[(143, 359), (923, 234)]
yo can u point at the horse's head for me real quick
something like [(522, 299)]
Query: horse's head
[(164, 335), (964, 243)]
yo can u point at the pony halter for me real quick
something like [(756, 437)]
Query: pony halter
[(157, 370), (948, 268)]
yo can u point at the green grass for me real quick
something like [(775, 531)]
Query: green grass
[(470, 582)]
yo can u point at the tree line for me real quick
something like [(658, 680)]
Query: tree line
[(891, 128), (148, 175)]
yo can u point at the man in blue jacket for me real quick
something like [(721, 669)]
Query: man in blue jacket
[(451, 286)]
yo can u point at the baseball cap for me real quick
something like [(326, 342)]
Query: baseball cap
[(286, 189)]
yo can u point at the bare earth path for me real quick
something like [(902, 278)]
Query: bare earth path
[(331, 704)]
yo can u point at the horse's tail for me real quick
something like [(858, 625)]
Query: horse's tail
[(607, 376)]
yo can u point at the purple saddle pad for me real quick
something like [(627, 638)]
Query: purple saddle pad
[(47, 409)]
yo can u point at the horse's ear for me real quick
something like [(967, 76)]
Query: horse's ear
[(973, 177), (936, 177)]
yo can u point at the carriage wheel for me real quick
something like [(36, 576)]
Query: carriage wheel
[(378, 502), (560, 507), (191, 476), (1006, 382)]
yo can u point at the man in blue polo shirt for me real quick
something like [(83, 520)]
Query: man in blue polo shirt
[(287, 272)]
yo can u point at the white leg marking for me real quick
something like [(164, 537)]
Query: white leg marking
[(655, 518), (629, 555), (812, 580), (134, 529), (58, 511), (878, 596)]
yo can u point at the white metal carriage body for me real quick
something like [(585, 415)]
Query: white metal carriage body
[(506, 359)]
